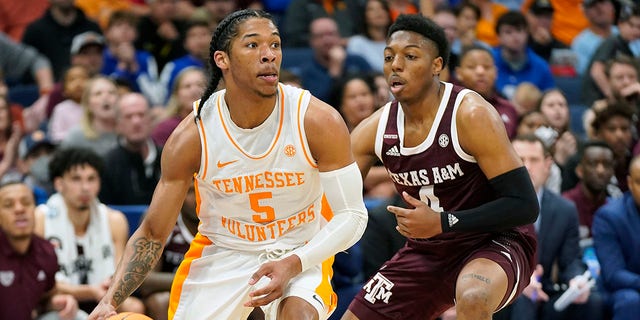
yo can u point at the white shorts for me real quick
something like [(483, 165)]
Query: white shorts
[(215, 286)]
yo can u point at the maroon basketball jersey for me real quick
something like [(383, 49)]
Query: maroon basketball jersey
[(176, 246), (437, 171)]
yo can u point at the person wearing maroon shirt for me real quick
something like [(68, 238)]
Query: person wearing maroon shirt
[(28, 263), (595, 169), (477, 71), (471, 203)]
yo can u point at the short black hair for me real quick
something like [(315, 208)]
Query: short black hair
[(592, 144), (467, 49), (613, 108), (512, 18), (66, 159), (425, 27)]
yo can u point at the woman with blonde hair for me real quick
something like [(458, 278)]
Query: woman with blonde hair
[(96, 129), (188, 87)]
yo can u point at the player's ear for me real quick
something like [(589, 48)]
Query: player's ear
[(436, 66), (221, 59)]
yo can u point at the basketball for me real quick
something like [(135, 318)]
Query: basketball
[(129, 316)]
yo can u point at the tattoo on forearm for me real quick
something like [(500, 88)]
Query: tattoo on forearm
[(477, 277), (145, 255)]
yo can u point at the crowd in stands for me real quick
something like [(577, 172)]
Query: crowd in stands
[(91, 90)]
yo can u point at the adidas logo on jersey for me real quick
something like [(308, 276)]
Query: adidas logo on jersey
[(393, 152)]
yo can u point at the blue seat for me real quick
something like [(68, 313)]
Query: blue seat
[(134, 214), (571, 87)]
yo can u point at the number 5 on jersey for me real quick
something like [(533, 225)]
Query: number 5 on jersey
[(265, 213)]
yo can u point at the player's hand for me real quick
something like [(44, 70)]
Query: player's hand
[(66, 305), (420, 222), (102, 311), (280, 272)]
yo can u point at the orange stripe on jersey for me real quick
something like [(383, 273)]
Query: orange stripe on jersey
[(206, 151), (198, 199), (324, 289), (275, 141), (326, 211), (304, 150), (195, 251)]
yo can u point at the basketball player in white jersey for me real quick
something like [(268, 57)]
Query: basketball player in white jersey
[(263, 155)]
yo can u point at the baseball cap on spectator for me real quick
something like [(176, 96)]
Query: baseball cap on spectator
[(541, 7), (85, 39), (33, 143)]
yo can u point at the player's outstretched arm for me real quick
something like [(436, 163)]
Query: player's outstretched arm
[(483, 136), (180, 160)]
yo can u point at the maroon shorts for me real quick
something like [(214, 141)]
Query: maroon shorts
[(418, 284)]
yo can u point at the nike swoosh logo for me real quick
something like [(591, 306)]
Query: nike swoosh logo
[(224, 164)]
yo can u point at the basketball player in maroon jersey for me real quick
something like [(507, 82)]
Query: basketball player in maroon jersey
[(470, 241)]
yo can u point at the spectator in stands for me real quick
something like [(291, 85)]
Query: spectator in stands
[(10, 135), (161, 33), (123, 61), (553, 104), (622, 74), (96, 130), (296, 28), (330, 60), (35, 153), (88, 237), (616, 240), (86, 51), (526, 98), (467, 17), (446, 19), (196, 43), (155, 288), (19, 62), (382, 93), (595, 171), (477, 71), (101, 10), (558, 246), (486, 29), (134, 164), (541, 40), (187, 88), (68, 113), (515, 60), (28, 262), (601, 16), (530, 122), (214, 11), (53, 33), (596, 86), (17, 15), (371, 42), (536, 123)]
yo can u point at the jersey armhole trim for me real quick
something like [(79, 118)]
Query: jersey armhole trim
[(382, 125), (302, 133), (454, 128)]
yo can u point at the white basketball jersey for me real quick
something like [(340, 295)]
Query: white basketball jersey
[(258, 188)]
